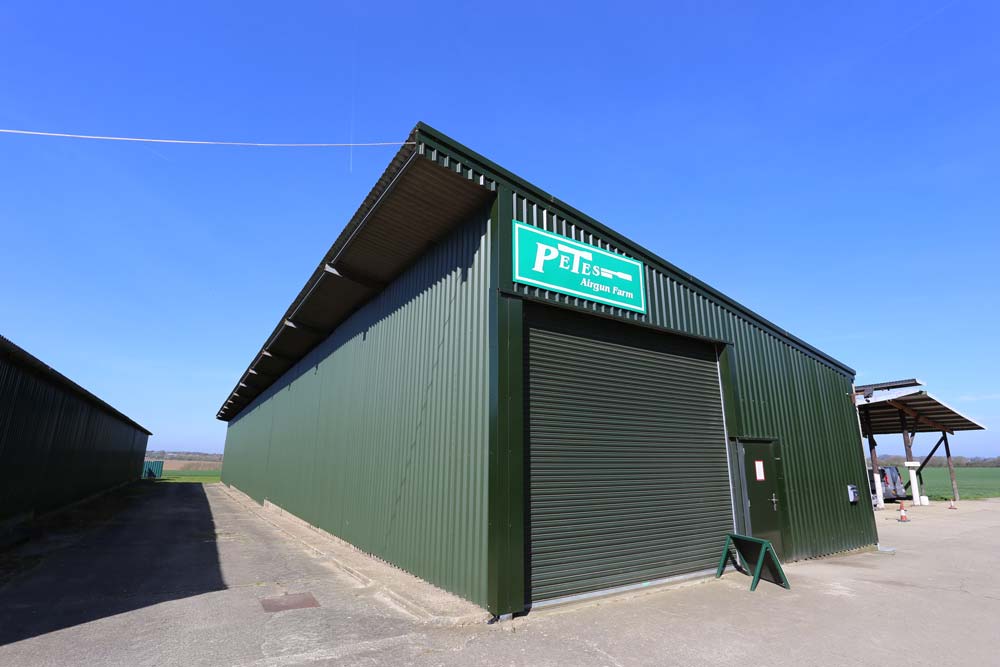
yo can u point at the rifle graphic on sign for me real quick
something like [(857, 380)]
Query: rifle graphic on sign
[(605, 273), (564, 265), (583, 254)]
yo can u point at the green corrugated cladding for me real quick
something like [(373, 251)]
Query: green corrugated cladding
[(152, 470), (380, 434), (392, 432), (56, 447), (781, 390)]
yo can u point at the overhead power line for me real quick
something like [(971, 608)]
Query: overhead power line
[(203, 143)]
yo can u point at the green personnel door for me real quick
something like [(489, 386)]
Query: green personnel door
[(765, 491), (627, 461)]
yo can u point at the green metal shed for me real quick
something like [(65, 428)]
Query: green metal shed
[(152, 469), (487, 388), (59, 443)]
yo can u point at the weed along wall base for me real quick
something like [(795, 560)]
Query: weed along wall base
[(489, 389)]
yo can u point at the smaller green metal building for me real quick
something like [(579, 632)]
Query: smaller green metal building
[(152, 469), (488, 388), (58, 442)]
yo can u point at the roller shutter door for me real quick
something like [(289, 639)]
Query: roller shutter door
[(627, 458)]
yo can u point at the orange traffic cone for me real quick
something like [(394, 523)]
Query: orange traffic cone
[(951, 505), (902, 513)]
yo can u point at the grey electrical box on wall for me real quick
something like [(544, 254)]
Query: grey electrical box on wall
[(852, 493)]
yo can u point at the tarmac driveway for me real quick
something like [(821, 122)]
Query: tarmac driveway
[(175, 574)]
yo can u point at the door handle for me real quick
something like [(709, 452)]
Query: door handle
[(774, 502)]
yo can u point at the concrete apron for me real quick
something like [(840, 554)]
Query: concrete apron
[(417, 598)]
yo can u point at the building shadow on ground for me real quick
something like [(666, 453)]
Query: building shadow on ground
[(138, 546)]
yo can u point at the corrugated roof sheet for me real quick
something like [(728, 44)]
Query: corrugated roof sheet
[(25, 359), (414, 204), (923, 412), (423, 194)]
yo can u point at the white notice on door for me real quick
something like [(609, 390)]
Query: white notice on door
[(758, 467)]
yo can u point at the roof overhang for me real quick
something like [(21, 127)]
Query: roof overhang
[(432, 185), (417, 202), (868, 390), (923, 413), (25, 359)]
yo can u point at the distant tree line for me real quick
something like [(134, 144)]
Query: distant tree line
[(183, 456), (940, 461)]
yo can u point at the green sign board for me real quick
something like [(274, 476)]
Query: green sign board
[(759, 553), (558, 263)]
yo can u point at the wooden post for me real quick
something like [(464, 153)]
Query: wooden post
[(871, 448), (908, 444), (907, 441), (927, 459), (876, 478), (951, 467)]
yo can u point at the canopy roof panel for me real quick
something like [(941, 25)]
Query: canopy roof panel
[(923, 414)]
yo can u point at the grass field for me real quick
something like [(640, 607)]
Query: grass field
[(972, 483), (200, 476)]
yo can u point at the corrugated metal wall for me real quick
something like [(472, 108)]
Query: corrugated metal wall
[(380, 434), (55, 446), (152, 469), (784, 393)]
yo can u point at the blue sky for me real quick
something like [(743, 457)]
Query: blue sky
[(834, 168)]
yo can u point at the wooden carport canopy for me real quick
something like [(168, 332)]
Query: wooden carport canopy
[(910, 413)]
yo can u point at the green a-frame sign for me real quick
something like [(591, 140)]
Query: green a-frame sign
[(754, 550)]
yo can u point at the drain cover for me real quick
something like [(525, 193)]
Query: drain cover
[(289, 601)]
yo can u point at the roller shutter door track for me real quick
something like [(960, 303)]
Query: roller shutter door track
[(628, 474)]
